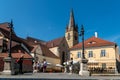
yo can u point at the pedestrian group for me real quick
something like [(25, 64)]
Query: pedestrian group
[(40, 66)]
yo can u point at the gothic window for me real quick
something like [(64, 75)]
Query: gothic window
[(103, 53), (90, 54), (68, 36), (76, 37)]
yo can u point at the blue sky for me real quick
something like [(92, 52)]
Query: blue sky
[(47, 19)]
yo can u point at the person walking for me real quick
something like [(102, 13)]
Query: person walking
[(38, 66), (35, 67), (20, 62), (44, 65), (71, 66)]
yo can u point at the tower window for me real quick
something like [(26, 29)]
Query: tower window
[(76, 37), (68, 36)]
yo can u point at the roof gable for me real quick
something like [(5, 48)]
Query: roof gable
[(55, 42), (93, 42), (46, 52)]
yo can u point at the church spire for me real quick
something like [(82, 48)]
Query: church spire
[(71, 21), (71, 33)]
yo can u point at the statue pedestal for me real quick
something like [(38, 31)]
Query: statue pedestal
[(83, 68), (8, 63)]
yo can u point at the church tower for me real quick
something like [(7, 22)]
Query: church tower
[(71, 33)]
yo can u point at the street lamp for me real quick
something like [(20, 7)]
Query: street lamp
[(82, 34), (83, 63), (11, 27), (8, 61)]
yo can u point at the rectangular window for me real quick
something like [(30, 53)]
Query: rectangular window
[(103, 53), (79, 55), (90, 53)]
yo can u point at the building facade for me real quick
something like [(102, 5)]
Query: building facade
[(40, 51), (101, 55), (18, 48)]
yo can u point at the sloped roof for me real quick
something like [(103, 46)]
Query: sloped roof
[(16, 55), (45, 51), (54, 43), (36, 42), (93, 42), (5, 26), (5, 30), (32, 41)]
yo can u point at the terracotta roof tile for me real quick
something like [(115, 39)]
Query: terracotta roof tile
[(54, 43), (6, 31), (16, 55), (45, 50), (93, 42), (5, 26), (32, 41)]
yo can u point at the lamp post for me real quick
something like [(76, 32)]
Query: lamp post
[(82, 34), (83, 63), (8, 61), (11, 27)]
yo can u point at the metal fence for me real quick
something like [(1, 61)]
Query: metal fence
[(99, 70)]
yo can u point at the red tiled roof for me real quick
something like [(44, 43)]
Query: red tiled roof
[(32, 41), (45, 50), (5, 26), (13, 44), (54, 43), (6, 31), (93, 42), (16, 55)]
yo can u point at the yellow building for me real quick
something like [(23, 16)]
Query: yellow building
[(101, 54)]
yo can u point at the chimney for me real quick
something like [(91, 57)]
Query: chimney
[(96, 34)]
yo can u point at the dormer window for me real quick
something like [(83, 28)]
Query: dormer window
[(35, 41), (92, 42)]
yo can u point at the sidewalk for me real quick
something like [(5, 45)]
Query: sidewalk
[(55, 76)]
